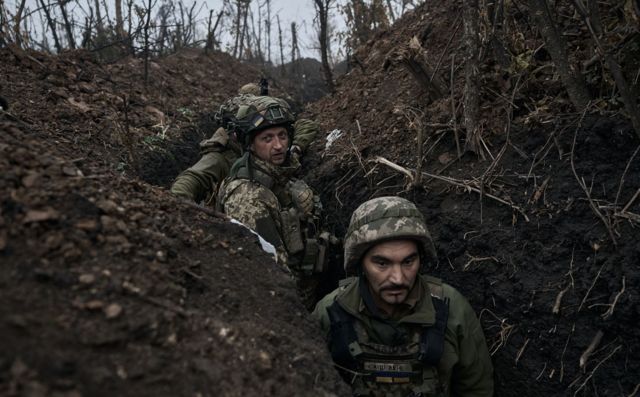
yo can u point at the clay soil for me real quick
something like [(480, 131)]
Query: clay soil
[(110, 286)]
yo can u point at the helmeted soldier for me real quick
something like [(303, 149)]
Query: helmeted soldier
[(262, 193), (392, 331), (200, 182)]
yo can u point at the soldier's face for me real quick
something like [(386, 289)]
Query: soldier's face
[(271, 145), (391, 268)]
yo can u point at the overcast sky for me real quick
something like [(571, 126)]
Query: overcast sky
[(300, 11)]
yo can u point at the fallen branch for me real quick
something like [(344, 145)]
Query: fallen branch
[(628, 215), (632, 200), (591, 287), (466, 186), (383, 161), (624, 173)]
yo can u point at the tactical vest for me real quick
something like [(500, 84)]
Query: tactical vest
[(304, 243), (375, 370)]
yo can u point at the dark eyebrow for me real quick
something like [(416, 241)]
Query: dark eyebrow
[(411, 257)]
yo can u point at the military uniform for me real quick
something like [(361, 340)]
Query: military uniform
[(432, 346), (268, 199), (200, 182)]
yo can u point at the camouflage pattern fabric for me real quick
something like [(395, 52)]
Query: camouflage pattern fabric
[(384, 217), (269, 208)]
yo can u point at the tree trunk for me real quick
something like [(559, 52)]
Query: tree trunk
[(555, 44), (17, 19), (119, 21), (268, 27), (322, 13), (237, 27), (67, 24), (52, 26), (99, 26), (146, 44), (244, 28), (391, 14), (471, 101), (281, 46), (294, 44)]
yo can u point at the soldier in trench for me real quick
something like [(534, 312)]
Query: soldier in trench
[(200, 182), (262, 193), (392, 331)]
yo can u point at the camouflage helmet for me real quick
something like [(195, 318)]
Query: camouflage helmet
[(384, 218), (261, 113), (251, 88)]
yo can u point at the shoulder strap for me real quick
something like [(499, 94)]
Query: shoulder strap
[(432, 338), (342, 336)]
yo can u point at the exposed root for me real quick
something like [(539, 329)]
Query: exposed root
[(474, 259), (612, 306), (526, 342), (502, 336), (590, 349), (556, 306), (593, 371)]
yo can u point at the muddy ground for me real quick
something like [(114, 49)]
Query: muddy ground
[(110, 286)]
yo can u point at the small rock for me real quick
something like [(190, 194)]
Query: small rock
[(87, 279), (113, 310), (30, 180), (94, 304), (71, 171), (445, 158), (41, 215), (161, 256), (87, 224), (265, 360)]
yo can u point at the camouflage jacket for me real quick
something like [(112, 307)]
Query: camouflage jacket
[(200, 182), (267, 199), (464, 368)]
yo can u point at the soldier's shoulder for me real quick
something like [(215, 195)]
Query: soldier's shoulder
[(245, 190)]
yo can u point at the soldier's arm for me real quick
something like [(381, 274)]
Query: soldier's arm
[(200, 180), (251, 205), (473, 374), (305, 132)]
